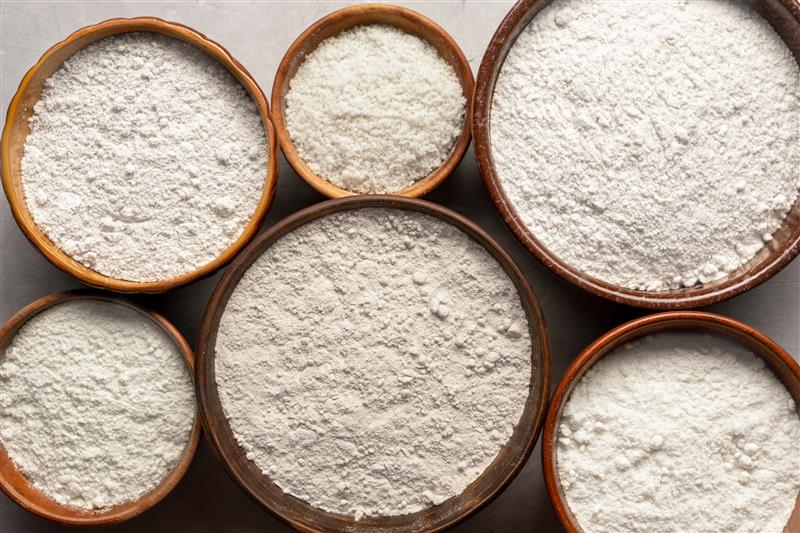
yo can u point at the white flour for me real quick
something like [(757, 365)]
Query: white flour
[(374, 362), (96, 403), (374, 109), (146, 158), (652, 145), (680, 432)]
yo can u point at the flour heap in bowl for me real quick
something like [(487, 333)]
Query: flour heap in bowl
[(96, 403), (374, 109), (653, 149), (146, 158), (374, 362), (680, 432)]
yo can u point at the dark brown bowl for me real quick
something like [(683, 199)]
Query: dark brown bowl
[(300, 514), (343, 19), (17, 486), (784, 15), (780, 362), (16, 131)]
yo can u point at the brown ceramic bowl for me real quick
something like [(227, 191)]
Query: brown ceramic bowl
[(780, 362), (784, 15), (16, 131), (341, 20), (21, 491), (300, 514)]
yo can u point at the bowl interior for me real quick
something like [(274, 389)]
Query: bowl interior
[(781, 363), (16, 131), (784, 16), (344, 19), (300, 514), (22, 491)]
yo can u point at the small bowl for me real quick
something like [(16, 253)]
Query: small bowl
[(17, 486), (16, 131), (344, 19), (784, 15), (780, 362), (301, 515)]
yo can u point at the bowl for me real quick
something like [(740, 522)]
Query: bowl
[(776, 359), (16, 131), (302, 515), (784, 15), (17, 486), (344, 19)]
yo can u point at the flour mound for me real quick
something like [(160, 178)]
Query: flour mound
[(650, 145), (374, 109), (145, 158), (680, 432), (96, 404), (374, 362)]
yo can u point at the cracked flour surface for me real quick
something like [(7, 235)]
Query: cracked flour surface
[(374, 361)]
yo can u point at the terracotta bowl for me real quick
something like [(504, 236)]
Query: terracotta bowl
[(784, 15), (17, 486), (300, 514), (341, 20), (16, 131), (780, 362)]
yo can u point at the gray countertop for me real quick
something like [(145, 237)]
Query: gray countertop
[(258, 34)]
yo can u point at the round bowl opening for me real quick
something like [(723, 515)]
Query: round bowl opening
[(22, 491), (300, 514), (343, 19), (785, 368), (16, 131), (784, 16)]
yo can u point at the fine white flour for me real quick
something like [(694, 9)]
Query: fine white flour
[(653, 145), (374, 109), (680, 432), (96, 403), (145, 158), (374, 361)]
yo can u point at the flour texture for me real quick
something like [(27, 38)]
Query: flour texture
[(680, 432), (652, 145), (374, 109), (96, 403), (374, 361), (145, 158)]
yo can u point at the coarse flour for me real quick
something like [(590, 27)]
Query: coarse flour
[(145, 158), (653, 145), (374, 109), (373, 361), (96, 403), (680, 432)]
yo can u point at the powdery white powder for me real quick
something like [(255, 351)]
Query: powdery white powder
[(653, 145), (373, 361), (96, 403), (680, 432), (374, 109), (145, 158)]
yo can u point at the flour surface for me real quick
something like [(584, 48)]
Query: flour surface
[(145, 158), (374, 362), (96, 403), (680, 432), (653, 145), (374, 109)]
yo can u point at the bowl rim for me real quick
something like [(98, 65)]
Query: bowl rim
[(372, 11), (126, 510), (480, 113), (640, 327), (206, 386), (40, 240)]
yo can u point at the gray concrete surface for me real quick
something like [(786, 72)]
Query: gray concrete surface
[(258, 34)]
